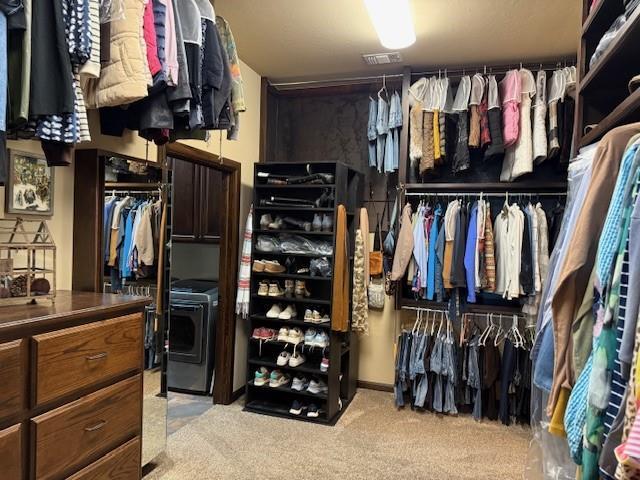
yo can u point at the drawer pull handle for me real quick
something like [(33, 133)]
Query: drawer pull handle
[(95, 427), (97, 356)]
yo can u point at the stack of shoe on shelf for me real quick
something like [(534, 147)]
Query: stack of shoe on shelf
[(294, 242)]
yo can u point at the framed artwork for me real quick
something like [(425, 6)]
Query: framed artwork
[(29, 190)]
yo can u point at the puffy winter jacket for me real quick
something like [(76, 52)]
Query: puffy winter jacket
[(123, 79)]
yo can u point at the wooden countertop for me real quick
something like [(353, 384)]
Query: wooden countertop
[(69, 309)]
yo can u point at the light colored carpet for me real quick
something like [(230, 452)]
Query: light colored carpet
[(184, 408), (372, 440)]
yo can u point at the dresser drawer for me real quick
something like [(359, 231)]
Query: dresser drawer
[(86, 429), (13, 377), (11, 452), (77, 357), (123, 463)]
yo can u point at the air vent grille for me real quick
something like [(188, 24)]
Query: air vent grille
[(381, 58)]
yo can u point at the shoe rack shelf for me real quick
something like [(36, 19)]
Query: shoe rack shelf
[(294, 209), (293, 322), (319, 396), (294, 232), (300, 369), (292, 276), (293, 187), (345, 187), (292, 299)]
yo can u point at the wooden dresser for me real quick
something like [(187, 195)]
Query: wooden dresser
[(71, 388)]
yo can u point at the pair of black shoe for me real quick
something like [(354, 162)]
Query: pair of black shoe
[(325, 200), (313, 179), (292, 267)]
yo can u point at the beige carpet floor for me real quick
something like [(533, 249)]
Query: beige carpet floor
[(372, 440)]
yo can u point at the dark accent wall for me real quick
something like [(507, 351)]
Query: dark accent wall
[(309, 126)]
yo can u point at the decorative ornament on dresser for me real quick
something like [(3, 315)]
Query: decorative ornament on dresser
[(27, 262)]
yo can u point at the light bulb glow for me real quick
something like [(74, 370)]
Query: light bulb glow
[(392, 22)]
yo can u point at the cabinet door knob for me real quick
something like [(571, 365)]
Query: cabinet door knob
[(97, 356), (95, 427)]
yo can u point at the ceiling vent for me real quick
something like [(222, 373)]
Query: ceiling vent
[(382, 58)]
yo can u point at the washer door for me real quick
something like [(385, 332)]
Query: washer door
[(186, 330)]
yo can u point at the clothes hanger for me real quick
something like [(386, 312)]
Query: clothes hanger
[(426, 324), (433, 323), (485, 334), (384, 87), (516, 330), (416, 324), (497, 340), (441, 322)]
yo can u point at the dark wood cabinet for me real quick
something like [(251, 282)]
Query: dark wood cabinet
[(211, 196), (197, 202), (185, 200)]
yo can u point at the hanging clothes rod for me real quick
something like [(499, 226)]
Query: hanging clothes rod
[(424, 309), (455, 71), (132, 192), (332, 82), (476, 314), (490, 194), (460, 71)]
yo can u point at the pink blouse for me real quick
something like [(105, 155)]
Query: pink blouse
[(510, 91)]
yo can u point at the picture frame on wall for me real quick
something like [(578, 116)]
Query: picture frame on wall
[(29, 189)]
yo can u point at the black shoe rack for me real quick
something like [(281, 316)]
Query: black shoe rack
[(276, 194)]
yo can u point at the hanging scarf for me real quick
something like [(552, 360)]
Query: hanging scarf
[(244, 276)]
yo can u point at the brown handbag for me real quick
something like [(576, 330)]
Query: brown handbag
[(375, 257)]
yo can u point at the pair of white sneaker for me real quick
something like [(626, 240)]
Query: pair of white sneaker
[(295, 360), (287, 314), (317, 386), (293, 335)]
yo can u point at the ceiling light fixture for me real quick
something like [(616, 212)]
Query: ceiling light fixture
[(392, 21)]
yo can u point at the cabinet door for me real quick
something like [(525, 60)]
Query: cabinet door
[(11, 453), (211, 204), (186, 189), (13, 378)]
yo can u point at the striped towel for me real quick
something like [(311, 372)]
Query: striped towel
[(244, 277)]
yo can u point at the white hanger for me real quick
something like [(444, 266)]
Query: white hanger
[(519, 341), (426, 323), (489, 328), (384, 86), (500, 331), (441, 322), (433, 323), (417, 323)]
